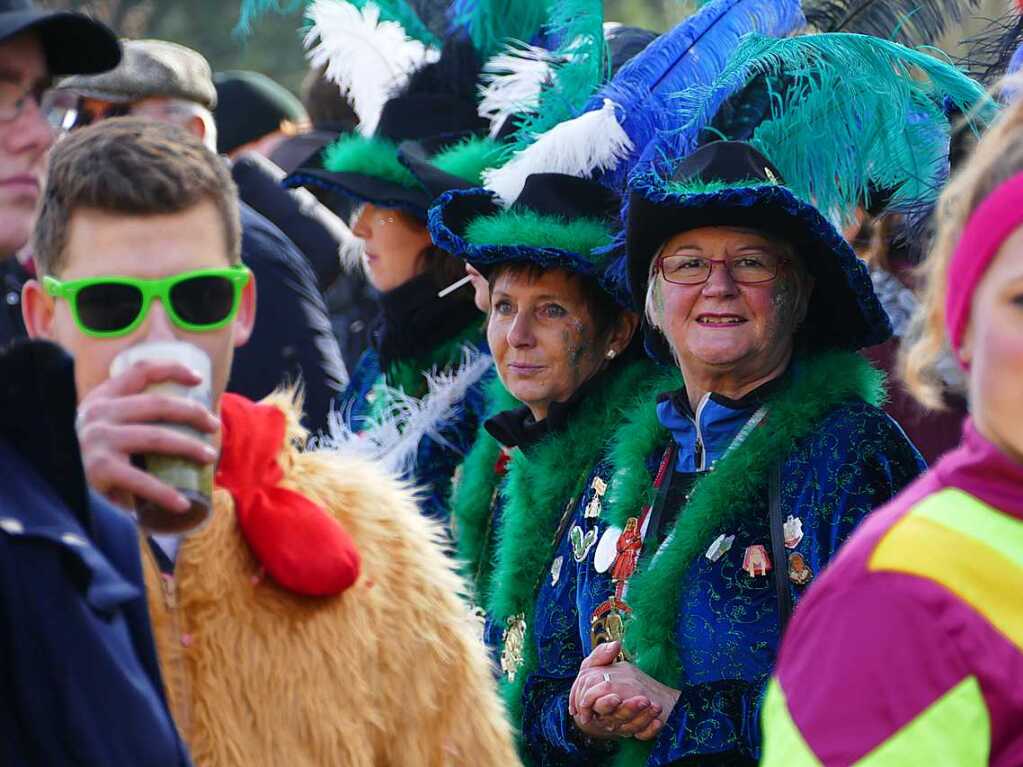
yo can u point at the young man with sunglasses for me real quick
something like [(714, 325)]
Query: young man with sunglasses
[(161, 81), (313, 620), (79, 681)]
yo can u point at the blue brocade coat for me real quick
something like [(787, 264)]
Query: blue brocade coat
[(728, 630)]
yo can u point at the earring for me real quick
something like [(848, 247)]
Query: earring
[(611, 354)]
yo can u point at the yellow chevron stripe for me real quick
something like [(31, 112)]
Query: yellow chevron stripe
[(956, 541)]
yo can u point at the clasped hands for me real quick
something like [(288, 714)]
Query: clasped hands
[(612, 700)]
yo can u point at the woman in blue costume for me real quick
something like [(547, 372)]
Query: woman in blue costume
[(561, 337), (727, 495), (416, 397)]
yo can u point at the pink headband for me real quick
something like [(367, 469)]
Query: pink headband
[(992, 222)]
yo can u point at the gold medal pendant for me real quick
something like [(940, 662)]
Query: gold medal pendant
[(514, 646)]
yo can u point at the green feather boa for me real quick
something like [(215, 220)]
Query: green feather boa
[(539, 483), (718, 499), (473, 497)]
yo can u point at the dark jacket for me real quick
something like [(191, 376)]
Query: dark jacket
[(12, 277), (292, 338), (320, 234), (79, 681)]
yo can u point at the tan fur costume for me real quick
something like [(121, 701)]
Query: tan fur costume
[(390, 672)]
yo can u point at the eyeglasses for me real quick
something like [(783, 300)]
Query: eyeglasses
[(57, 107), (744, 270), (108, 307)]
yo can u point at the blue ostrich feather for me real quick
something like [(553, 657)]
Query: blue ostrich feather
[(694, 52)]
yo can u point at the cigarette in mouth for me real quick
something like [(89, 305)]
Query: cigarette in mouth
[(454, 286)]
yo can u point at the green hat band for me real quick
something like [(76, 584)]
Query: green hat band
[(526, 228)]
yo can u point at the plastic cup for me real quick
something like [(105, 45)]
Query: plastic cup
[(194, 481)]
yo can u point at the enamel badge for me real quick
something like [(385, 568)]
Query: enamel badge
[(599, 487), (607, 549), (512, 653), (581, 544), (755, 561), (799, 571), (721, 546), (556, 570), (793, 531)]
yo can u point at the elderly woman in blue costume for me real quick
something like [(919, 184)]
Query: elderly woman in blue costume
[(416, 397), (728, 494), (561, 337)]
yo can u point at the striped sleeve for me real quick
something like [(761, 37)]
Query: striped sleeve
[(869, 676)]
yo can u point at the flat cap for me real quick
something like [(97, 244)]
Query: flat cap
[(151, 68)]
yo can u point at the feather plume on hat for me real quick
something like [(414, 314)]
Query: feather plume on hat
[(611, 127), (846, 113), (367, 57)]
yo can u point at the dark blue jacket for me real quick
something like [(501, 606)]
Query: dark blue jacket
[(292, 338), (79, 680)]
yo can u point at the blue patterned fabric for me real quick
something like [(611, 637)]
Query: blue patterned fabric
[(437, 457), (855, 460)]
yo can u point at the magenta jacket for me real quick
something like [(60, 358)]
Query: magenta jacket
[(909, 649)]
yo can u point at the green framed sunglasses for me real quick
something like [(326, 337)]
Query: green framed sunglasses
[(108, 307)]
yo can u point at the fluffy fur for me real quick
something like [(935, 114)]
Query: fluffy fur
[(369, 156), (473, 499), (533, 230), (392, 672), (468, 159)]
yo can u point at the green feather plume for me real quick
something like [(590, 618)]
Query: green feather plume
[(529, 229), (468, 159), (850, 112), (369, 156)]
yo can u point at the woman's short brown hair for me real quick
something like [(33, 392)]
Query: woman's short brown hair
[(997, 158), (135, 167), (603, 309)]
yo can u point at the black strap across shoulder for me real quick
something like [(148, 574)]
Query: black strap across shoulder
[(781, 561)]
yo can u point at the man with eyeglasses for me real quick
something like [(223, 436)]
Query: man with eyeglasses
[(35, 47)]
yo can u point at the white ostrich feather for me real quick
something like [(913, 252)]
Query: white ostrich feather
[(394, 440), (592, 142), (368, 58), (511, 82)]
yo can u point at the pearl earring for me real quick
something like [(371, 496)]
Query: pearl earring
[(611, 354)]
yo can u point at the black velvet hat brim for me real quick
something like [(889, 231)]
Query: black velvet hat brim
[(453, 212), (844, 311), (363, 188)]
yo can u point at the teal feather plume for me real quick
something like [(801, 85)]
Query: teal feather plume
[(252, 10), (492, 24), (578, 28), (403, 13), (390, 10), (846, 112)]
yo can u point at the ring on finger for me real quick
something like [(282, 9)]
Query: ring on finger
[(607, 677)]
